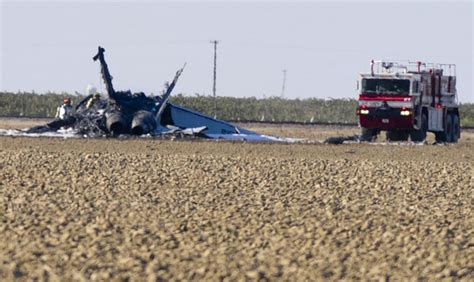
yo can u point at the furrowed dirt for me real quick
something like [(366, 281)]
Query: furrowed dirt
[(103, 209)]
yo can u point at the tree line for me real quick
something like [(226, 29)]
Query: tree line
[(275, 109)]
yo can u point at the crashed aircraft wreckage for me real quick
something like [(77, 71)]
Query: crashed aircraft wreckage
[(137, 114)]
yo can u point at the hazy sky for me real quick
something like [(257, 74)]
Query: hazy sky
[(322, 45)]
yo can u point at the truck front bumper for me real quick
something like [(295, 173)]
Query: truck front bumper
[(385, 119)]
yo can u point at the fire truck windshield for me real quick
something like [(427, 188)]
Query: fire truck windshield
[(386, 86)]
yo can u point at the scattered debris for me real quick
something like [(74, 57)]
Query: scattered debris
[(341, 139)]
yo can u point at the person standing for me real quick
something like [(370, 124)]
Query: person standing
[(93, 100), (64, 111)]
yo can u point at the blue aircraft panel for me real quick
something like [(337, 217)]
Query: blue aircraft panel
[(186, 118)]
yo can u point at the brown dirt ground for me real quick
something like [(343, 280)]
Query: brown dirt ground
[(21, 123), (104, 209)]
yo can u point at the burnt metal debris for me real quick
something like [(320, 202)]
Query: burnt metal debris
[(127, 113), (338, 140)]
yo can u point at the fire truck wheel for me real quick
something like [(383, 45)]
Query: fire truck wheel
[(449, 128), (446, 135), (397, 135), (456, 129), (368, 134), (420, 134)]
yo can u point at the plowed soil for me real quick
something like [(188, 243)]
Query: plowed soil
[(140, 209)]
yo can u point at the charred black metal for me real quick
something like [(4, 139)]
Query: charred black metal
[(53, 125), (128, 113), (341, 139), (117, 123), (143, 122), (105, 73)]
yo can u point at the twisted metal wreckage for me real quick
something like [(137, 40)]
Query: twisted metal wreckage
[(137, 114)]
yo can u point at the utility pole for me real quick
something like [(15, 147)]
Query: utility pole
[(283, 86), (215, 74)]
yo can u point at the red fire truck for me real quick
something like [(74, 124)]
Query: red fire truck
[(407, 100)]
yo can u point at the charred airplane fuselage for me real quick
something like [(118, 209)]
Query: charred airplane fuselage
[(143, 122), (137, 123), (129, 113), (138, 114), (117, 123)]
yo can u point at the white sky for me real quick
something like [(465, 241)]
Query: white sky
[(323, 45)]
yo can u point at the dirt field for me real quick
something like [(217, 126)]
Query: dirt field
[(107, 209)]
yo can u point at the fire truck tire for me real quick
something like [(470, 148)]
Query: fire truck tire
[(446, 135), (420, 134), (368, 134), (397, 135), (456, 129)]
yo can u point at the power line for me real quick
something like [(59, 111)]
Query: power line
[(215, 76)]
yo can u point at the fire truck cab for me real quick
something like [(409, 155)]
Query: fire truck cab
[(407, 100)]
